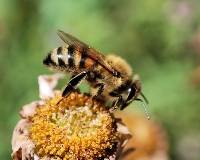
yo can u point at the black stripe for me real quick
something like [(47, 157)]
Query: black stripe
[(61, 62), (70, 56), (48, 60), (82, 61), (59, 51)]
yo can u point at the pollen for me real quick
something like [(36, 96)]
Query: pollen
[(76, 127)]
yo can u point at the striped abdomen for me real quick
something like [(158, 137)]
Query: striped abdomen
[(69, 59)]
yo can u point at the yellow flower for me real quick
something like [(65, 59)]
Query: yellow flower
[(75, 127)]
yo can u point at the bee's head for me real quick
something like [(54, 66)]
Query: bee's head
[(133, 92)]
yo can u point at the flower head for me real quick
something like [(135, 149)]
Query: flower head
[(77, 128), (73, 127)]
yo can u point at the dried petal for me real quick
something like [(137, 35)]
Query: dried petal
[(22, 146), (46, 85)]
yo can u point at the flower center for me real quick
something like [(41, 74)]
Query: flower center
[(76, 128)]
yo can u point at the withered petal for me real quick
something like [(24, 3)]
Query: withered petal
[(28, 110), (47, 83), (22, 146)]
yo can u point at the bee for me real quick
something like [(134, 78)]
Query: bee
[(110, 77)]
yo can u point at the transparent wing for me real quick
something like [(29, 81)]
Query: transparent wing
[(71, 40), (91, 52)]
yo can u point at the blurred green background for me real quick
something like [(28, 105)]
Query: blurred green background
[(159, 38)]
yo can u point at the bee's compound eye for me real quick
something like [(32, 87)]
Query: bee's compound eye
[(131, 93)]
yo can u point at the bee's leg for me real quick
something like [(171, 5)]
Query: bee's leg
[(73, 83), (77, 89), (119, 102), (116, 104), (100, 89)]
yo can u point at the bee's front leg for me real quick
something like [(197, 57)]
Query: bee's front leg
[(73, 83), (100, 87), (117, 103)]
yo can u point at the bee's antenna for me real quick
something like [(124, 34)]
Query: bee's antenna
[(144, 105), (145, 99)]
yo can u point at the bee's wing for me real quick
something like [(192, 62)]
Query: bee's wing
[(91, 52), (71, 40)]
